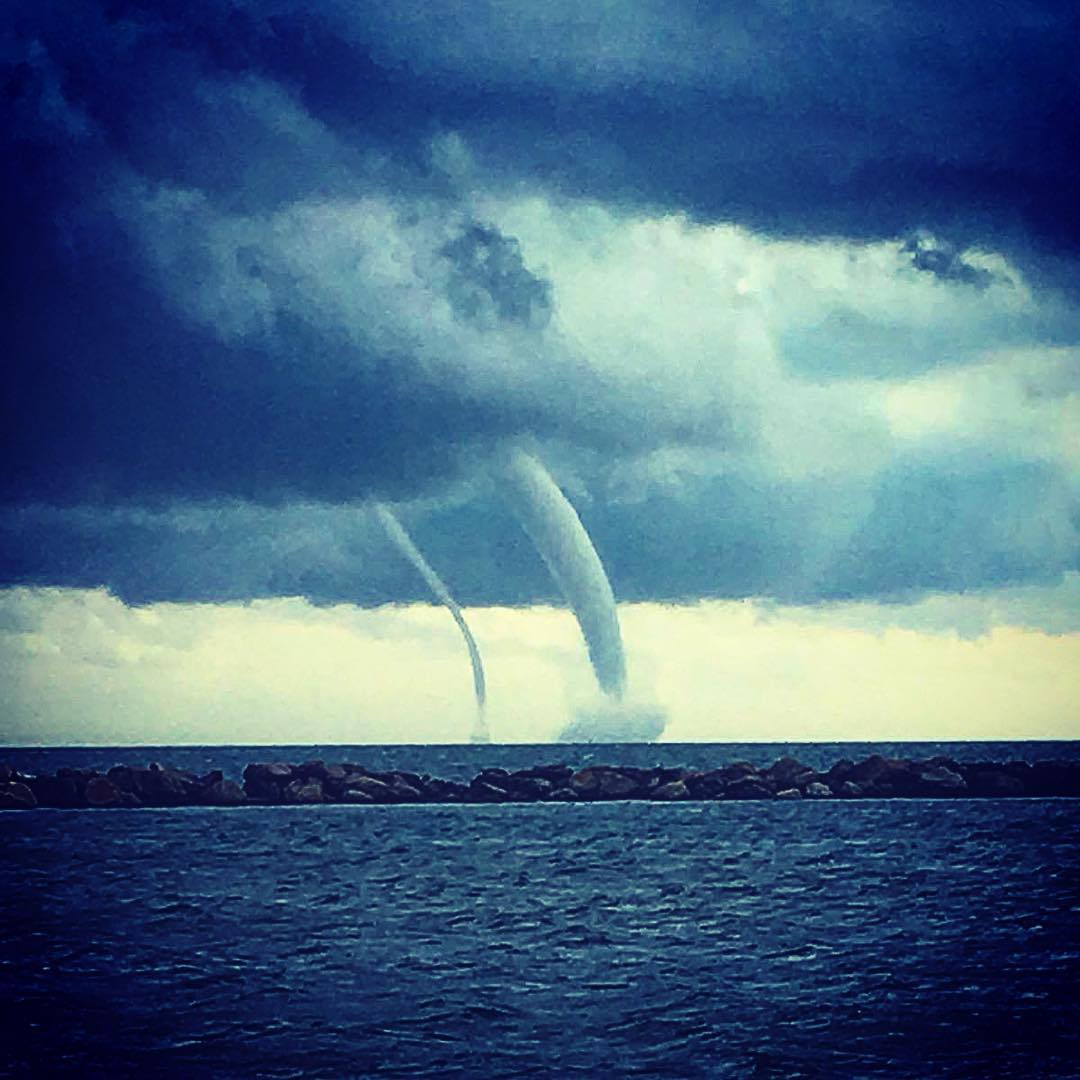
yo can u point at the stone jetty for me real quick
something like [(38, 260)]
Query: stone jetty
[(316, 782)]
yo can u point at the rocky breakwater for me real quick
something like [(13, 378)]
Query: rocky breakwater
[(315, 782), (121, 786)]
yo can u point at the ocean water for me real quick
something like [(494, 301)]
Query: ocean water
[(762, 939), (463, 761)]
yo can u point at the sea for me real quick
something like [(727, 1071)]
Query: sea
[(825, 938)]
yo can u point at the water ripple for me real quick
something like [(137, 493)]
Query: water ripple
[(899, 939)]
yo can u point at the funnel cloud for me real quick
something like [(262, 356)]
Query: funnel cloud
[(401, 539), (555, 529)]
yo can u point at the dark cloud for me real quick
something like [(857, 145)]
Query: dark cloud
[(490, 276), (922, 525), (943, 261), (245, 264)]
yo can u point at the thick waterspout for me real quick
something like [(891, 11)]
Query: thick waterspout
[(556, 530)]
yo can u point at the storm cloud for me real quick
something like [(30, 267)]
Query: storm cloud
[(787, 301)]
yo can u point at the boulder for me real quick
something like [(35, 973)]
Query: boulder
[(15, 795), (557, 775), (885, 778), (1055, 778), (938, 781), (303, 792), (133, 781), (848, 789), (61, 792), (789, 794), (788, 773), (839, 773), (445, 790), (749, 788), (817, 790), (706, 785), (664, 774), (672, 791), (605, 782), (315, 769), (585, 784), (616, 785), (101, 791), (866, 771), (224, 793), (160, 785), (335, 781), (266, 781), (529, 788), (736, 771), (373, 790), (356, 795), (407, 779), (402, 791), (992, 782), (480, 791)]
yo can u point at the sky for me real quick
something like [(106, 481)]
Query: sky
[(787, 302)]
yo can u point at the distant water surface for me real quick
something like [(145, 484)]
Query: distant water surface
[(824, 939), (463, 761)]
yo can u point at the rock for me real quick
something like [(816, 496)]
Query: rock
[(482, 792), (838, 774), (790, 793), (7, 774), (605, 782), (866, 771), (303, 792), (407, 779), (445, 790), (939, 781), (1055, 778), (564, 794), (401, 791), (750, 788), (266, 781), (529, 788), (123, 776), (163, 786), (15, 795), (992, 782), (738, 770), (817, 790), (373, 790), (224, 793), (849, 790), (586, 783), (557, 775), (617, 785), (132, 781), (671, 791), (884, 778), (706, 785), (666, 775), (355, 795), (61, 792), (315, 770), (789, 773), (101, 791)]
